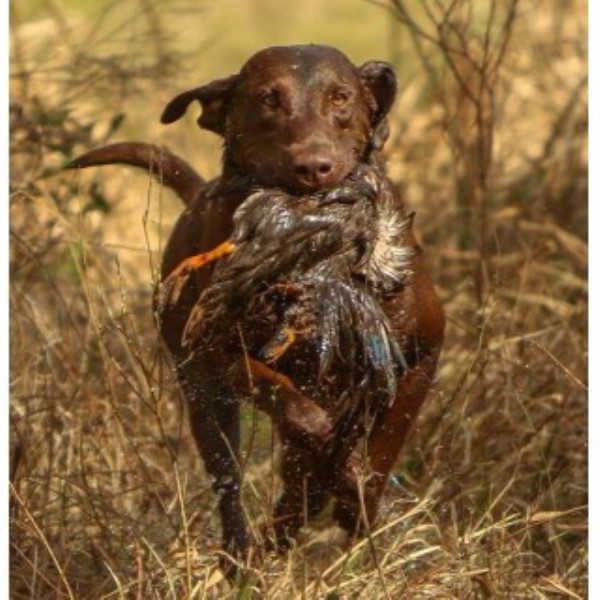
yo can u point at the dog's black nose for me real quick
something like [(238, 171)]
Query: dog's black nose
[(313, 170)]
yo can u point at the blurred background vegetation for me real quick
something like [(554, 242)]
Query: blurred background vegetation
[(488, 145)]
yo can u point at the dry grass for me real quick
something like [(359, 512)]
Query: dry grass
[(489, 500)]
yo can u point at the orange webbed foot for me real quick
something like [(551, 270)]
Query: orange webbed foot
[(275, 349), (300, 417), (173, 284)]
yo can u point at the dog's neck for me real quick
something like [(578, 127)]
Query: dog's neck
[(232, 182)]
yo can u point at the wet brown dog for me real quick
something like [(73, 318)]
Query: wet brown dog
[(299, 119)]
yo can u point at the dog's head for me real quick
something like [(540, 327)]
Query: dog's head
[(296, 117)]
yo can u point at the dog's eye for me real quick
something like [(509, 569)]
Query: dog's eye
[(340, 98), (270, 98)]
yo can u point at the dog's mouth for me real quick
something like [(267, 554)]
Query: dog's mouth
[(299, 188), (299, 180), (306, 171)]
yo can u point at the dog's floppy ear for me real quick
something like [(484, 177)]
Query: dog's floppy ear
[(379, 79), (214, 99)]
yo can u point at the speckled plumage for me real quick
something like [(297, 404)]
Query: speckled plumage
[(316, 265)]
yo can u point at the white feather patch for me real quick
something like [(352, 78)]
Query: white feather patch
[(391, 258)]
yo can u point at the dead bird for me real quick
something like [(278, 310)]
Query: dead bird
[(307, 266)]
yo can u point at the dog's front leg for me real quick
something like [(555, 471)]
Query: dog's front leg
[(215, 423)]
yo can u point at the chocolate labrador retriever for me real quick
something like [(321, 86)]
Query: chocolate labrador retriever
[(297, 122)]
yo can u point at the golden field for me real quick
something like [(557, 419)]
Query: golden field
[(489, 146)]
